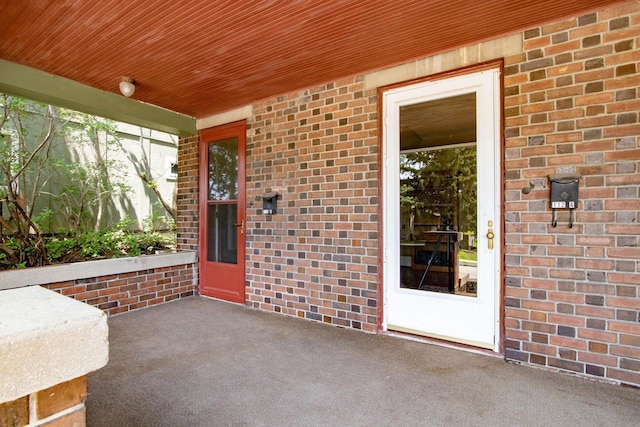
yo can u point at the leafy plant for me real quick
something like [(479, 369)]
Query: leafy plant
[(441, 182), (122, 240), (157, 222), (59, 248)]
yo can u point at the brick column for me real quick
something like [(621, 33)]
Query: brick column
[(187, 197), (61, 405)]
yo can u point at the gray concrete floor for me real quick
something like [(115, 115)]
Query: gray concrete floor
[(200, 362)]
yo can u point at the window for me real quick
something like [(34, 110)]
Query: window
[(172, 169)]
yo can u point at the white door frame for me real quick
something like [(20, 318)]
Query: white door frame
[(486, 83)]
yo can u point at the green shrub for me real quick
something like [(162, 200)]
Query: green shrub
[(121, 241), (59, 247)]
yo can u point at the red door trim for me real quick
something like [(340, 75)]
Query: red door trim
[(236, 129)]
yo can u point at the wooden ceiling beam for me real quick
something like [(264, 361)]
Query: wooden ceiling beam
[(25, 82)]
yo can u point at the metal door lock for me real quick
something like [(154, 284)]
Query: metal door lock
[(490, 235)]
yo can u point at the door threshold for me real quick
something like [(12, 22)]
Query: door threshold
[(443, 343), (222, 300)]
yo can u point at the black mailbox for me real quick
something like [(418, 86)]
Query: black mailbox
[(564, 194), (269, 203)]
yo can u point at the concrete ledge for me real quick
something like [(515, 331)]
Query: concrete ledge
[(224, 118), (47, 339), (450, 60), (83, 270)]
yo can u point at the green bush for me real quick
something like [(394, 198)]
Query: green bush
[(58, 247), (120, 241)]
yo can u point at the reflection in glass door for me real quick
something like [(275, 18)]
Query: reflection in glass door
[(438, 215), (222, 203)]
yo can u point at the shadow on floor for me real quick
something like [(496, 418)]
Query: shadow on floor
[(200, 362)]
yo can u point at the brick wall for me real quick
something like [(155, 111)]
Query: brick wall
[(571, 106), (187, 194), (123, 292), (60, 405), (317, 257)]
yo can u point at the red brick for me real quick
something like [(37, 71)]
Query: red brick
[(562, 47), (621, 131), (565, 160), (538, 305), (594, 99), (598, 347), (564, 137), (597, 359), (599, 312), (626, 377), (573, 343), (538, 129), (559, 26), (623, 351), (560, 319), (61, 397), (15, 413), (76, 418), (539, 348), (536, 43), (593, 335), (631, 279), (618, 302), (622, 204)]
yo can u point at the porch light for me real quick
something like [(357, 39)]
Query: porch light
[(127, 86)]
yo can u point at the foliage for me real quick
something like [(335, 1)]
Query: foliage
[(223, 179), (24, 152), (468, 255), (117, 242), (55, 157), (87, 184), (443, 183), (153, 186), (158, 222)]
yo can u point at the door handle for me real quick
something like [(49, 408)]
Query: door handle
[(490, 235), (241, 225)]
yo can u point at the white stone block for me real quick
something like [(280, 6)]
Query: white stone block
[(46, 339)]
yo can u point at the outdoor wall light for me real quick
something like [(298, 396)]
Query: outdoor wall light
[(127, 86)]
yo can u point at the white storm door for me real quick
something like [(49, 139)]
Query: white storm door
[(441, 189)]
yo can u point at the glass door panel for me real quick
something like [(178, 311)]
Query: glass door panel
[(438, 214), (221, 233), (222, 209), (223, 170)]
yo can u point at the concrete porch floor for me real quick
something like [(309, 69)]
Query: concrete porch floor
[(200, 362)]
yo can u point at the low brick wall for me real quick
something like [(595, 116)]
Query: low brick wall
[(60, 405), (120, 285), (118, 293)]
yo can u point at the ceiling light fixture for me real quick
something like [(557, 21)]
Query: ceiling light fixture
[(127, 86)]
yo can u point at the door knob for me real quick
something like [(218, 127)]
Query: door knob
[(241, 225), (490, 235)]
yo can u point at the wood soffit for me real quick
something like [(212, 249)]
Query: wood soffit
[(202, 57)]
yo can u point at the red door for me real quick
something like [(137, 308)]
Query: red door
[(222, 212)]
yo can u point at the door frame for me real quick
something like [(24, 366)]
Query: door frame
[(499, 346), (229, 130)]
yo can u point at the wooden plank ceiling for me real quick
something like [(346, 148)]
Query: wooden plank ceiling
[(200, 57)]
